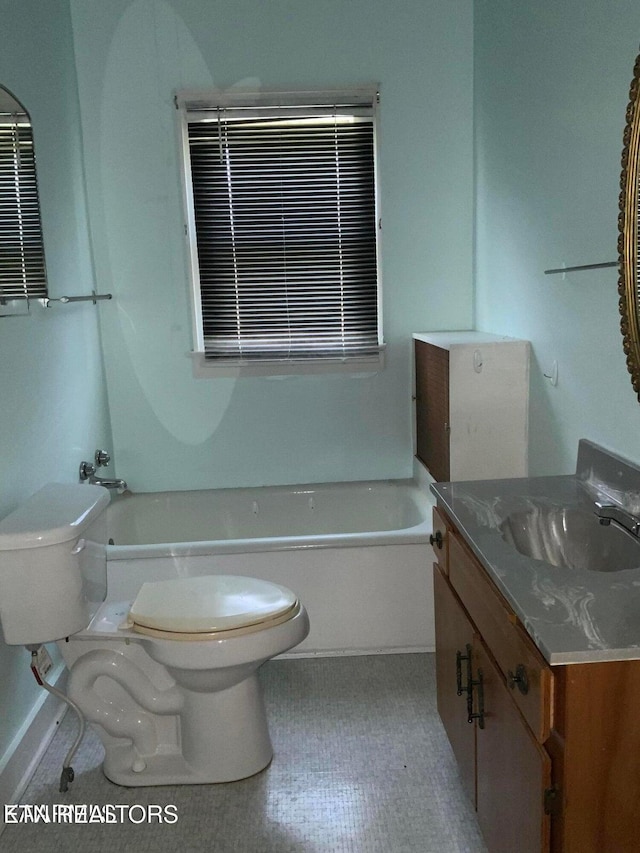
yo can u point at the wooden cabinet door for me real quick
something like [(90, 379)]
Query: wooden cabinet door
[(432, 408), (513, 770), (496, 622), (454, 640)]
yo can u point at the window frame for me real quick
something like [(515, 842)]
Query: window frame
[(211, 99), (16, 298)]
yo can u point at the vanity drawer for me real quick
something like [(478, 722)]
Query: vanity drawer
[(525, 670), (440, 540)]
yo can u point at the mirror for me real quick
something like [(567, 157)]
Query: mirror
[(629, 237), (22, 266)]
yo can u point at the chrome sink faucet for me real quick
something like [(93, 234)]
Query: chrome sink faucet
[(88, 472), (612, 512)]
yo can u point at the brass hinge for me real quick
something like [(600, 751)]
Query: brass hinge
[(552, 800)]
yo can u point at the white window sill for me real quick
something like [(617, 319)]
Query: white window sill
[(208, 369), (14, 307)]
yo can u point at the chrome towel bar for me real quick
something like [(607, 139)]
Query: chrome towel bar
[(95, 297), (582, 267)]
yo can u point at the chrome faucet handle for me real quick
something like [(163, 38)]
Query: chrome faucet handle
[(101, 458), (607, 513), (86, 470), (603, 511)]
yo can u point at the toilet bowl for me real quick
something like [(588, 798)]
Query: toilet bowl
[(170, 679)]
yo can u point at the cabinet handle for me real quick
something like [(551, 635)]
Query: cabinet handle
[(436, 540), (480, 714), (459, 658), (520, 679)]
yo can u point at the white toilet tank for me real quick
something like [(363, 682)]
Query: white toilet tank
[(53, 571)]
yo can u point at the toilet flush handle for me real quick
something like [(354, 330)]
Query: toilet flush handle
[(81, 545)]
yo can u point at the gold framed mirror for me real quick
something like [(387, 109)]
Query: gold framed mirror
[(629, 237)]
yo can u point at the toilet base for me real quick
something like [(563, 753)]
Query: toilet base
[(169, 769), (224, 737), (170, 736)]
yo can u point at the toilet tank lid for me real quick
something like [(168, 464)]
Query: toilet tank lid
[(58, 512)]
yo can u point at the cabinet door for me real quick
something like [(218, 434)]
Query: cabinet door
[(513, 770), (511, 649), (432, 408), (454, 640)]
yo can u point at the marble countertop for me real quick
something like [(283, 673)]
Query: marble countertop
[(573, 615)]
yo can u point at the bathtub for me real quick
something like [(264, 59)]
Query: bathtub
[(357, 554)]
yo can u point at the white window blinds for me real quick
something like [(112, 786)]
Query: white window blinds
[(22, 267), (285, 217)]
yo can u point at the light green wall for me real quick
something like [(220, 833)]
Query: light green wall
[(171, 431), (551, 89), (551, 82), (53, 404)]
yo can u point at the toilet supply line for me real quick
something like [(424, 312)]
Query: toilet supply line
[(67, 775)]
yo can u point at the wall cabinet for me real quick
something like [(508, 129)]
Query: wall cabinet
[(549, 756), (472, 398)]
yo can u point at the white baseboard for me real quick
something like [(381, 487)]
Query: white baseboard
[(351, 653), (29, 745)]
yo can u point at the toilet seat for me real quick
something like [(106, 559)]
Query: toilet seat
[(209, 607)]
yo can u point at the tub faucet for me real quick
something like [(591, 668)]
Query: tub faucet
[(119, 485), (612, 512), (88, 472)]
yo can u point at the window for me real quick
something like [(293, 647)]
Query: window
[(283, 228), (22, 267)]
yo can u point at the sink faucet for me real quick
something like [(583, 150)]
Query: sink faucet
[(88, 472), (612, 512)]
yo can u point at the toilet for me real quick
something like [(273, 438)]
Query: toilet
[(169, 679)]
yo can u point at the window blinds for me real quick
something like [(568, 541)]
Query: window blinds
[(22, 268), (285, 215)]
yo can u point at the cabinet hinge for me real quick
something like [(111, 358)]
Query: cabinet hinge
[(552, 800)]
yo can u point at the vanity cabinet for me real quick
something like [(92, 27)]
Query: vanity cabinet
[(551, 757), (504, 771), (471, 397)]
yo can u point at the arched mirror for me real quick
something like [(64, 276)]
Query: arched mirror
[(22, 266), (629, 238)]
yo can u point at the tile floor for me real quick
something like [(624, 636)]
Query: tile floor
[(361, 765)]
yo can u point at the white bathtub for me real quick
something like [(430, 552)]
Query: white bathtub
[(357, 554)]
